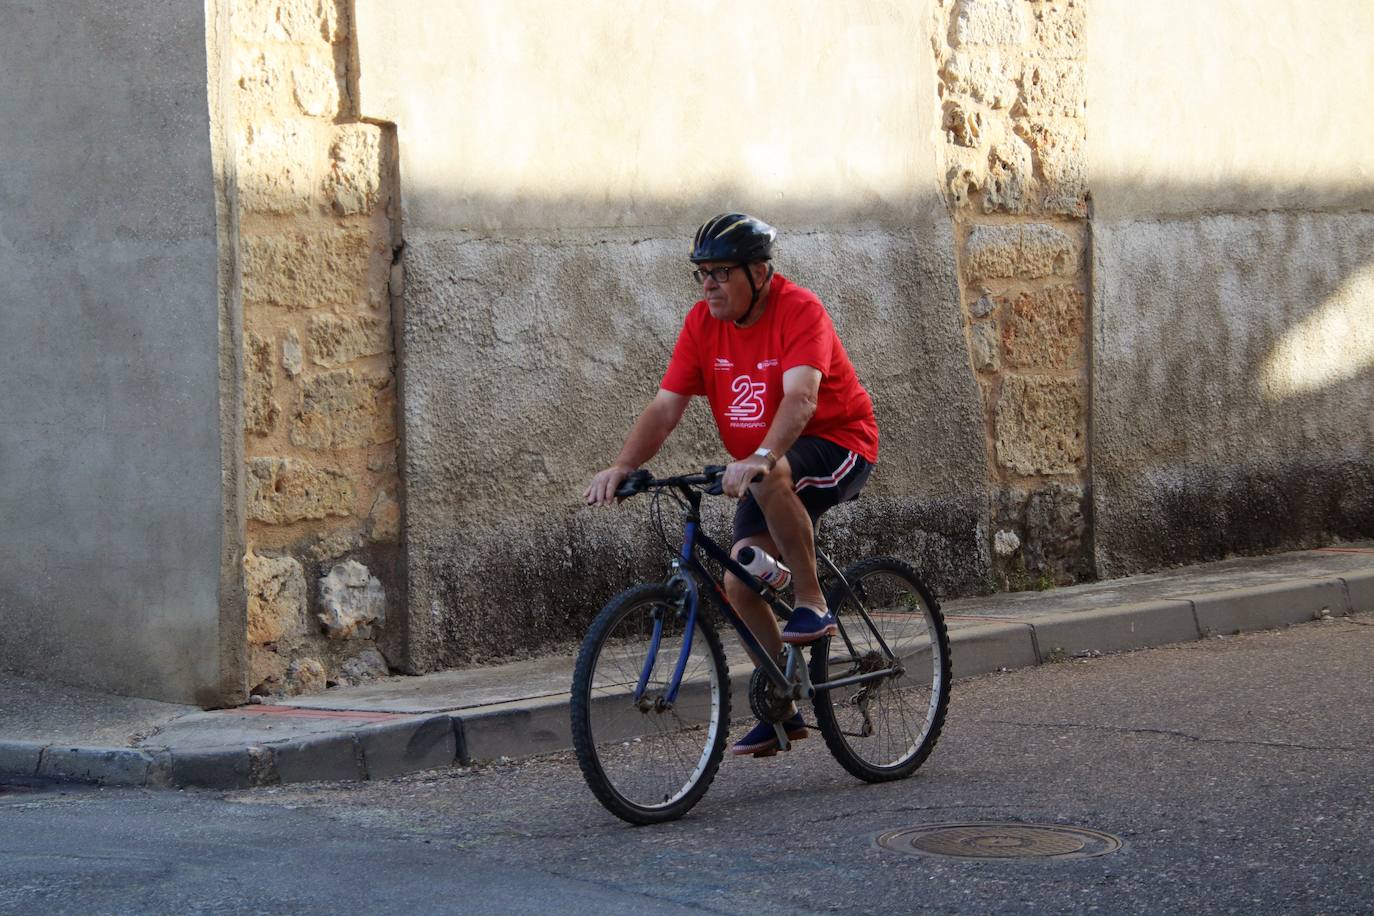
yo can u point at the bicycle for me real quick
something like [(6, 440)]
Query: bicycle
[(651, 690)]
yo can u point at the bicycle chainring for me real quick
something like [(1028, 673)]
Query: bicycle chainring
[(764, 701)]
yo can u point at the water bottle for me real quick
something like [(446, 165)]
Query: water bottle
[(764, 567)]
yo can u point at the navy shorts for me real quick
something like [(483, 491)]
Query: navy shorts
[(823, 475)]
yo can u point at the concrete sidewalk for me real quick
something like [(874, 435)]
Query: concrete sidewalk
[(402, 724)]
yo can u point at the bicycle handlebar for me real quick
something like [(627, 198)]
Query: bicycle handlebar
[(642, 480)]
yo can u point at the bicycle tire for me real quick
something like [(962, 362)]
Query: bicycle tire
[(883, 730), (646, 762)]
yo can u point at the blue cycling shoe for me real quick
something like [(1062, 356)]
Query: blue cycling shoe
[(808, 625), (762, 739)]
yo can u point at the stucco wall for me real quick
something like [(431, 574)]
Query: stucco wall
[(110, 484), (554, 163), (1233, 246)]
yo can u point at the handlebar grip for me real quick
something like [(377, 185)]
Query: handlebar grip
[(715, 472), (633, 484)]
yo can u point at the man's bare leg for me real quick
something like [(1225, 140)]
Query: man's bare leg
[(786, 516), (752, 609), (790, 537), (791, 530)]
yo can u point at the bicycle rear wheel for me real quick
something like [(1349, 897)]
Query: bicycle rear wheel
[(649, 760), (883, 729)]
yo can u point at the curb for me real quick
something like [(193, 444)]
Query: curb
[(980, 645), (1116, 629), (370, 752), (1264, 607), (992, 644)]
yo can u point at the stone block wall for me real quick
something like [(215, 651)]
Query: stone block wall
[(1011, 85), (318, 229)]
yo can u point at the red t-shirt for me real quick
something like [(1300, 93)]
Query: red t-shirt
[(739, 370)]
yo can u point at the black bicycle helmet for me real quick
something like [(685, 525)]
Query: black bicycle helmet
[(736, 237)]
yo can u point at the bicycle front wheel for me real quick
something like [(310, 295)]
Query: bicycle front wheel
[(649, 757), (886, 727)]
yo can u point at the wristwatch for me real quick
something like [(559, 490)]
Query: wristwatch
[(767, 454)]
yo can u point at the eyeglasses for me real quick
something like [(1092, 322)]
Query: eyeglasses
[(719, 274)]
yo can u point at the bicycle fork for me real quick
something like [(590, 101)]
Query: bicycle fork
[(686, 607)]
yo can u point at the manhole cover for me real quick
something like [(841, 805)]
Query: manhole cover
[(1001, 841)]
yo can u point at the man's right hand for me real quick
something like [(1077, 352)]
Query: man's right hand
[(601, 491)]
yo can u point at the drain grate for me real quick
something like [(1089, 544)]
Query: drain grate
[(1046, 842)]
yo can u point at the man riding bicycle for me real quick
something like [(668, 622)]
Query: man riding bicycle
[(789, 407)]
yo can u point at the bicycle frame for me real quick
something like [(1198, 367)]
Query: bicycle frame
[(688, 567)]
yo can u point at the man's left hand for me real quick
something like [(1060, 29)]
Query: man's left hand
[(740, 474)]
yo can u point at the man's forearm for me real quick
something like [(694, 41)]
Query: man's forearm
[(793, 414)]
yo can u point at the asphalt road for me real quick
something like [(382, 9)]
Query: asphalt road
[(1235, 771)]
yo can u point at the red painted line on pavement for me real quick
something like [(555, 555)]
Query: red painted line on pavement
[(978, 617), (300, 712)]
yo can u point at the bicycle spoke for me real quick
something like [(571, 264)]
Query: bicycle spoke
[(882, 729), (648, 760)]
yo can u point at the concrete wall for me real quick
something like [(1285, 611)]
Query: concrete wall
[(1233, 245), (554, 162), (110, 470)]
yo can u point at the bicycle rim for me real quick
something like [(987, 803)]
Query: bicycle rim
[(884, 729), (649, 760)]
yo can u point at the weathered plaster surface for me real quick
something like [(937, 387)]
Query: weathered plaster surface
[(1220, 109), (640, 113), (526, 361), (1235, 401)]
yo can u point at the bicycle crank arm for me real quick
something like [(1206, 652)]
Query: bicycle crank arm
[(799, 675)]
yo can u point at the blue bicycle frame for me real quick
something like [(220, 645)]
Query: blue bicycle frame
[(689, 569)]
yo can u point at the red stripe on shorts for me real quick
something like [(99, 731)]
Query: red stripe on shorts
[(831, 481)]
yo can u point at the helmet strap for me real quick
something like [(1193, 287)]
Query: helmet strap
[(754, 291)]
